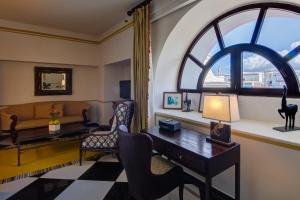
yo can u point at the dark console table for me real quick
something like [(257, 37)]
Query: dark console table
[(190, 149)]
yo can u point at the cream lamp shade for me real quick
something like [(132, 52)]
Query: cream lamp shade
[(221, 108)]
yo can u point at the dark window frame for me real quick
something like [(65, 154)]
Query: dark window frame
[(281, 63)]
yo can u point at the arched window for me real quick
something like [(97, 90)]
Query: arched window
[(251, 50)]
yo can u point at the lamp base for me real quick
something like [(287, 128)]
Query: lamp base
[(283, 129), (220, 132), (230, 144)]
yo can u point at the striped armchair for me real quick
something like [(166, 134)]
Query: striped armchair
[(107, 141)]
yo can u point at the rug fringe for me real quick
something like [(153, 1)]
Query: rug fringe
[(37, 172)]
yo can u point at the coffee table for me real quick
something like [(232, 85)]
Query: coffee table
[(35, 135)]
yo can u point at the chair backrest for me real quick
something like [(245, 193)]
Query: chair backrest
[(135, 151), (123, 113)]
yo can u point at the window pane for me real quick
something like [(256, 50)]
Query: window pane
[(295, 64), (219, 75), (190, 75), (258, 72), (239, 28), (280, 31), (206, 47)]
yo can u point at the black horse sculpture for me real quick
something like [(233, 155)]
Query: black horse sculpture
[(289, 110)]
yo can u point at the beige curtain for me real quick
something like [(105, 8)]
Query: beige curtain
[(141, 64)]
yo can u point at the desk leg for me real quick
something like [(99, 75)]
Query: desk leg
[(208, 188), (19, 154), (237, 180)]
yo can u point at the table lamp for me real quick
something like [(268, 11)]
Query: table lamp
[(222, 108)]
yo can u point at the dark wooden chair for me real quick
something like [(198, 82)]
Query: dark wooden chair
[(105, 141), (148, 177)]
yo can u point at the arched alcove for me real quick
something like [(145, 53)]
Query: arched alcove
[(178, 42)]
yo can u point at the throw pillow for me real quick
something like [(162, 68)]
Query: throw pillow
[(42, 110)]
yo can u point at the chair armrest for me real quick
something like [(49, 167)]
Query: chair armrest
[(101, 134), (8, 121), (104, 128)]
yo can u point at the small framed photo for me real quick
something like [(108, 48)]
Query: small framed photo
[(172, 100)]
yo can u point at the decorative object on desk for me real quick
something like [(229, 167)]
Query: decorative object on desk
[(172, 100), (289, 111), (169, 125), (221, 108), (187, 104), (54, 124)]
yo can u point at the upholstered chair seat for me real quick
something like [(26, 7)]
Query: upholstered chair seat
[(102, 139), (160, 165), (107, 141)]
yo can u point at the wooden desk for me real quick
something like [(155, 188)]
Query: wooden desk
[(190, 149)]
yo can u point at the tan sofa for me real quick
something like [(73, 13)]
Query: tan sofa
[(33, 115)]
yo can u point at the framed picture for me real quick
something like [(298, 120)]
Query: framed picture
[(172, 100), (49, 81)]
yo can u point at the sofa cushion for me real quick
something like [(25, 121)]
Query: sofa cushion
[(59, 107), (70, 119), (35, 123), (75, 107), (23, 111), (41, 110)]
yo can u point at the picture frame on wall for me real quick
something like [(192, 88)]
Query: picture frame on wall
[(52, 81), (172, 100)]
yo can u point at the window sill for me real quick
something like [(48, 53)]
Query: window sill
[(256, 130)]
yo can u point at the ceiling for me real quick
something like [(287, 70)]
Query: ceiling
[(91, 17)]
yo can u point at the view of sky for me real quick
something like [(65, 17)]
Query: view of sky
[(282, 38)]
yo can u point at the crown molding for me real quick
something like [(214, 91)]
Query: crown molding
[(115, 32), (46, 35), (158, 13), (66, 38)]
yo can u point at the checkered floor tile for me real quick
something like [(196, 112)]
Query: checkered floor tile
[(94, 180)]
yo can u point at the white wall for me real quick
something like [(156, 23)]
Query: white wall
[(114, 73), (17, 47), (116, 49), (29, 48), (17, 83), (161, 29)]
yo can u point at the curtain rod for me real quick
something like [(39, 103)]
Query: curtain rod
[(130, 12)]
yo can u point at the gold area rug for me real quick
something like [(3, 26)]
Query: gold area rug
[(38, 158)]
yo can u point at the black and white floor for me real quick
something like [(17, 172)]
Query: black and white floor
[(94, 180)]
